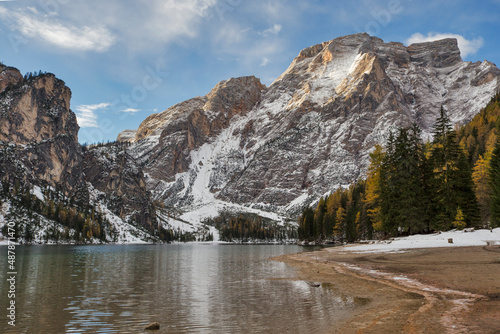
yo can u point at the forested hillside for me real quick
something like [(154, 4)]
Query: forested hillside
[(480, 134), (418, 187), (479, 138)]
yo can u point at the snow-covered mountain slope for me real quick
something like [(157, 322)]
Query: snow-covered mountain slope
[(248, 147), (35, 228)]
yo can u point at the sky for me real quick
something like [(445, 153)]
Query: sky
[(125, 60)]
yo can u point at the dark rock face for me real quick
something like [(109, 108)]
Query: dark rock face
[(438, 54), (9, 77), (114, 172), (38, 110), (35, 119), (312, 130)]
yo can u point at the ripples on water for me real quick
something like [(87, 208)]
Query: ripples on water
[(187, 288)]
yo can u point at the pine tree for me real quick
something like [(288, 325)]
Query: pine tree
[(332, 203), (464, 188), (306, 224), (339, 228), (459, 221), (452, 177), (388, 188), (401, 189), (481, 186), (357, 223), (494, 182), (428, 190), (372, 194), (28, 233), (413, 193), (354, 206), (318, 220), (443, 155)]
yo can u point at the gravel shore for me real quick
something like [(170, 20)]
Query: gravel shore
[(433, 290)]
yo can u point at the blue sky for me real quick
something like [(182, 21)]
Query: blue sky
[(125, 60)]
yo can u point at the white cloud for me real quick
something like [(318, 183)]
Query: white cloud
[(63, 35), (467, 47), (250, 47), (141, 27), (131, 110), (86, 115), (231, 34), (274, 30), (164, 21)]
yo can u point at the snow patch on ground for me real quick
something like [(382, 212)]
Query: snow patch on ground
[(37, 191), (460, 239), (297, 202), (213, 209), (186, 227)]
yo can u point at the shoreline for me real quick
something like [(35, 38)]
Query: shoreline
[(422, 290)]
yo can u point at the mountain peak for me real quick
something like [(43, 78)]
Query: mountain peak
[(35, 117), (312, 130), (9, 77), (441, 53)]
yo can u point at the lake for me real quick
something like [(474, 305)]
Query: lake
[(187, 288)]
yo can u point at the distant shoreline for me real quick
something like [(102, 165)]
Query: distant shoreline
[(425, 290)]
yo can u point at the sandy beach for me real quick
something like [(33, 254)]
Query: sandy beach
[(432, 290)]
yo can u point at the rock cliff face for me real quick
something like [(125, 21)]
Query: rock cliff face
[(42, 132), (126, 136), (9, 77), (114, 172), (312, 130), (168, 138), (39, 146)]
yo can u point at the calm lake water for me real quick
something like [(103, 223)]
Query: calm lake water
[(187, 288)]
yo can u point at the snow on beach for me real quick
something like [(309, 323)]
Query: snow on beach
[(440, 239)]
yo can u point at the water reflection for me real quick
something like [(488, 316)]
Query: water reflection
[(186, 288)]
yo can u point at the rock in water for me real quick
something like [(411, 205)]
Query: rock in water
[(153, 326)]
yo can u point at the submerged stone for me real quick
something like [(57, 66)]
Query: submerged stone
[(153, 326)]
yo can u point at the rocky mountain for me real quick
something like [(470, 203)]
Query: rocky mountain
[(273, 149), (115, 173), (243, 147), (44, 170), (42, 133)]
